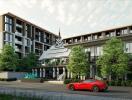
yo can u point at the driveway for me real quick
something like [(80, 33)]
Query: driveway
[(114, 92)]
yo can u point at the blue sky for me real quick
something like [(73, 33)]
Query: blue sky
[(74, 17)]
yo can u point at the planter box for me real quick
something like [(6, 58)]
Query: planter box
[(37, 80)]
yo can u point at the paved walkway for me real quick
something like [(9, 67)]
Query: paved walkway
[(60, 92)]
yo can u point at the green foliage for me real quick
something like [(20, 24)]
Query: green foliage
[(8, 58), (67, 81), (28, 62), (78, 61), (120, 83), (113, 61), (9, 79), (13, 97)]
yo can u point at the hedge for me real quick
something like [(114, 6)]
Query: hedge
[(9, 79)]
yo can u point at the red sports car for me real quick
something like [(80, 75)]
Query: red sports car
[(90, 84)]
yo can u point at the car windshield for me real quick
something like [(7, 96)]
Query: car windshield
[(88, 81)]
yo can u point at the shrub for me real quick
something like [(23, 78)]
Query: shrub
[(9, 79), (123, 83), (131, 84), (128, 83), (112, 83), (67, 81)]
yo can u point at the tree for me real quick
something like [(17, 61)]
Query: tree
[(8, 58), (78, 61), (28, 62), (113, 61)]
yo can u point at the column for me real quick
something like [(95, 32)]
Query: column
[(40, 72), (43, 72), (71, 75), (83, 77), (33, 71), (36, 73), (63, 70), (53, 72), (57, 72), (91, 71)]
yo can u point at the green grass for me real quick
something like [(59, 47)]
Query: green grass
[(11, 97)]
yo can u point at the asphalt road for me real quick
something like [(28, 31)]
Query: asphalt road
[(114, 92)]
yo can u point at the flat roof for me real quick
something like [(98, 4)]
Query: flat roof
[(13, 15), (110, 29)]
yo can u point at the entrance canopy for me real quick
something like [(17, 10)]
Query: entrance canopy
[(56, 51)]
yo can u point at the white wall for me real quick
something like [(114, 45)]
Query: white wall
[(7, 75)]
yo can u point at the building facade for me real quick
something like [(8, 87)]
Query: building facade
[(93, 43), (24, 36)]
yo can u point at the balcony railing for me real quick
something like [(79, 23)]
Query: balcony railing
[(17, 49), (18, 42), (18, 33), (18, 25)]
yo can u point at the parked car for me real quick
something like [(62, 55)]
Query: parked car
[(89, 84)]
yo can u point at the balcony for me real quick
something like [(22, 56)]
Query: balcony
[(18, 42), (18, 33), (17, 49), (18, 25)]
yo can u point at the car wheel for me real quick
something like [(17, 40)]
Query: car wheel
[(95, 89), (71, 87)]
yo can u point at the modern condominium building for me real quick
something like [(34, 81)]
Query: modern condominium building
[(93, 43), (24, 36)]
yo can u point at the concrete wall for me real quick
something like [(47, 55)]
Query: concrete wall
[(7, 75)]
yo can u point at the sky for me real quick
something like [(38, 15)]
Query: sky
[(73, 17)]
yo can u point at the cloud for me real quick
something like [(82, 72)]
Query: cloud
[(61, 12), (49, 4), (25, 3), (73, 16)]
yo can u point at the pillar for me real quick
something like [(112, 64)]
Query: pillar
[(43, 72), (53, 72), (57, 72), (63, 70), (33, 71), (81, 77), (40, 72), (36, 72), (91, 71), (71, 75)]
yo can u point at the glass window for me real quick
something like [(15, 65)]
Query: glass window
[(6, 36), (11, 38), (112, 34), (99, 51), (6, 27), (92, 51), (128, 48), (89, 37)]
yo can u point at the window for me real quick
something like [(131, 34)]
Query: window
[(128, 48), (8, 37), (92, 51), (112, 34), (8, 24), (124, 31), (99, 51), (89, 37)]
